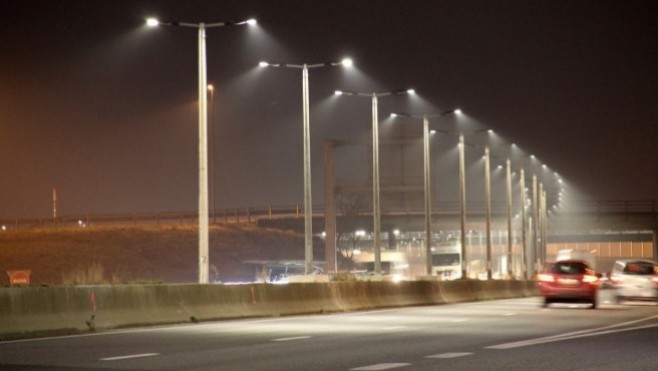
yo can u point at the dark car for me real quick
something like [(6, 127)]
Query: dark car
[(569, 281)]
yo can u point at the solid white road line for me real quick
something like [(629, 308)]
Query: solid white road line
[(449, 355), (381, 366), (129, 356), (552, 339)]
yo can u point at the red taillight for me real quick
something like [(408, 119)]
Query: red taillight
[(590, 279), (542, 277), (617, 280), (654, 279)]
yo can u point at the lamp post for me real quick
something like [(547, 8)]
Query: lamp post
[(462, 204), (487, 197), (211, 90), (375, 166), (427, 177), (308, 200), (508, 198), (203, 134), (524, 252)]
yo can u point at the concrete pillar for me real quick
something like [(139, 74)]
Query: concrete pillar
[(329, 208), (655, 243)]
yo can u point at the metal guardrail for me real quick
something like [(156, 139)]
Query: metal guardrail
[(252, 214)]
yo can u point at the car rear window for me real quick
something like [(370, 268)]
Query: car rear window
[(569, 268), (639, 268)]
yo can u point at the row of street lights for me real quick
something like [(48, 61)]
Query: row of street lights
[(204, 89)]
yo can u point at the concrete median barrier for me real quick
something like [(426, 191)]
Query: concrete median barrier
[(35, 311)]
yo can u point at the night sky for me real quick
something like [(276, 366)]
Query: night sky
[(103, 109)]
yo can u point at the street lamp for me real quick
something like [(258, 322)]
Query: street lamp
[(203, 136), (308, 200), (427, 176), (462, 197), (211, 90), (375, 166)]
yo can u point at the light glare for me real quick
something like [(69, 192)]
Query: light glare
[(347, 62), (251, 22), (152, 22), (263, 64)]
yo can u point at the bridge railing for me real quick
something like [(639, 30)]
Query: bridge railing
[(613, 206), (252, 214)]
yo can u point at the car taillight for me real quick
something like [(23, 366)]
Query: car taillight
[(545, 277), (654, 279), (617, 280), (590, 279)]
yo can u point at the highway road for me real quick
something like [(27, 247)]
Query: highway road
[(516, 334)]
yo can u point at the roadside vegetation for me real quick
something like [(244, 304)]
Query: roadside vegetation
[(141, 254)]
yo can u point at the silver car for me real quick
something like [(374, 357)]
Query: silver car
[(635, 279)]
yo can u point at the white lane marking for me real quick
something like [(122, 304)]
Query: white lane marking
[(395, 327), (571, 335), (292, 338), (459, 320), (509, 314), (129, 356), (552, 339), (381, 366), (449, 355)]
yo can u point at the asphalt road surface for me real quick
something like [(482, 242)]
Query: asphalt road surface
[(512, 334)]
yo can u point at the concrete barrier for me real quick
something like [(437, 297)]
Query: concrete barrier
[(35, 311)]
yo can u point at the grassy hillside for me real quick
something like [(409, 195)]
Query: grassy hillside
[(148, 253)]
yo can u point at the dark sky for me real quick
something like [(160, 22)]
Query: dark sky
[(104, 110)]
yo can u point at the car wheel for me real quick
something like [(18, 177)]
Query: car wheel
[(547, 301), (594, 304)]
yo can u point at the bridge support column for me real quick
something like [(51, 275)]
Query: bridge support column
[(655, 243), (329, 209)]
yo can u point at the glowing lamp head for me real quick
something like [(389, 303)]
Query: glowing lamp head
[(338, 92), (458, 111), (263, 64), (251, 22), (152, 22), (347, 62), (411, 91)]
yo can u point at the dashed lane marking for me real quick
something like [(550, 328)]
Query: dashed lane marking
[(292, 338), (449, 355), (381, 366), (395, 328), (130, 356)]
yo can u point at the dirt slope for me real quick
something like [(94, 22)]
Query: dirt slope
[(132, 253)]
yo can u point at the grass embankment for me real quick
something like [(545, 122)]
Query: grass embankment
[(126, 254)]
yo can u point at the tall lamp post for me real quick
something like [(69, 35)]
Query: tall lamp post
[(427, 176), (308, 200), (211, 90), (203, 134), (375, 166)]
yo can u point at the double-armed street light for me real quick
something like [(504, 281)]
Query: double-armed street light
[(462, 198), (375, 166), (308, 200), (427, 176), (203, 133)]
